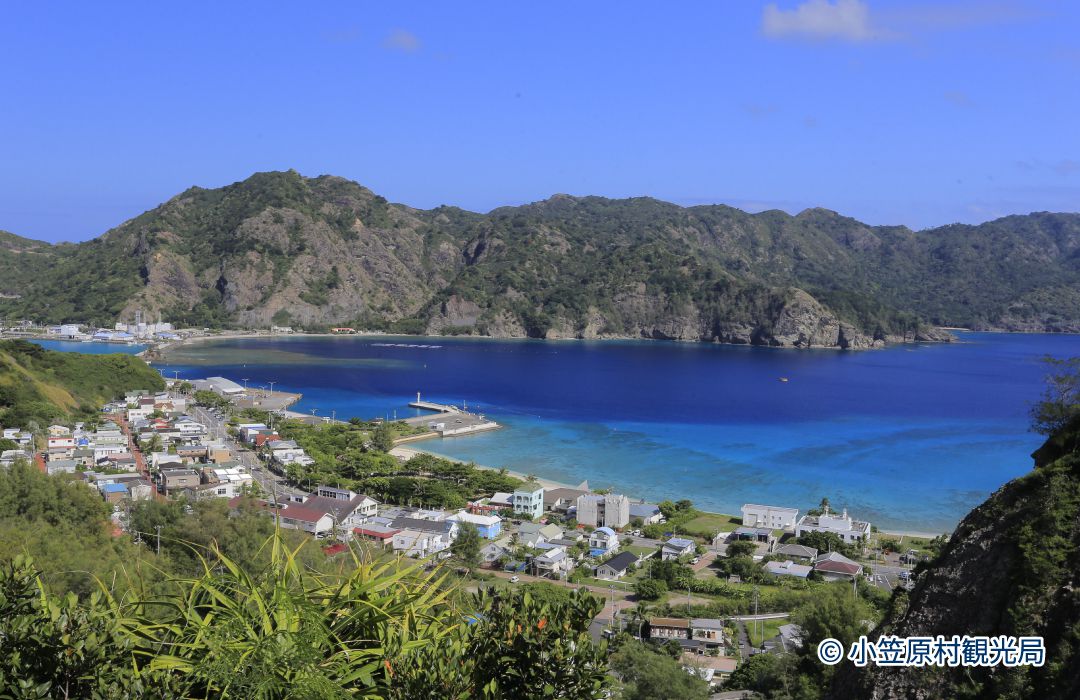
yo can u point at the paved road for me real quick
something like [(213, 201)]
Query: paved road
[(887, 577), (268, 481)]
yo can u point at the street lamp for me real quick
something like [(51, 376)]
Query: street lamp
[(272, 387)]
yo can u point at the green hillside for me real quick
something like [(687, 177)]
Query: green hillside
[(279, 248), (42, 386)]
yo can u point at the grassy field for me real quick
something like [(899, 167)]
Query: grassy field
[(638, 549), (708, 524), (761, 631)]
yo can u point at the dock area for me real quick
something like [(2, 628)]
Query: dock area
[(451, 421), (431, 406)]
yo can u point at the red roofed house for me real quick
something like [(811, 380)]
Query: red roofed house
[(833, 566)]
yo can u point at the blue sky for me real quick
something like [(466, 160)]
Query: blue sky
[(917, 113)]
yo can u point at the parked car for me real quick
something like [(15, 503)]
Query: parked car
[(695, 560), (514, 579)]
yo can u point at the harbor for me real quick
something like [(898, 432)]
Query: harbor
[(448, 421)]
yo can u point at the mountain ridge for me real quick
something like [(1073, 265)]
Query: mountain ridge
[(279, 248)]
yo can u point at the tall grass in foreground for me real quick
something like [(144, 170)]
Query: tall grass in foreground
[(386, 630)]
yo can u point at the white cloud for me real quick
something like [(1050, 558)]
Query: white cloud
[(845, 20), (401, 40)]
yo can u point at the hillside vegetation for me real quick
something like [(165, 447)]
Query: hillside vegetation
[(284, 249), (42, 386)]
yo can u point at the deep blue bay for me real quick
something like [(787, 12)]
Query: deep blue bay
[(909, 437)]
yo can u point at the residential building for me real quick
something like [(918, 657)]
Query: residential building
[(770, 517), (489, 526), (532, 534), (288, 452), (493, 551), (606, 510), (833, 566), (105, 451), (19, 436), (708, 631), (363, 507), (787, 568), (714, 670), (440, 533), (554, 562), (529, 500), (842, 525), (602, 541), (762, 535), (178, 478), (112, 491), (9, 457), (63, 442), (796, 552), (669, 628), (62, 466), (376, 532), (312, 519), (562, 499), (616, 567), (645, 513), (676, 547), (415, 543)]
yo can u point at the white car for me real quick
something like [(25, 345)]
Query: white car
[(695, 560), (514, 579)]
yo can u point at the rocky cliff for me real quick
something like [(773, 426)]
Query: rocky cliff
[(1011, 568)]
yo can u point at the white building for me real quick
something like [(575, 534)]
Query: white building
[(528, 499), (603, 540), (608, 510), (772, 517), (842, 525), (223, 386), (414, 543), (676, 547)]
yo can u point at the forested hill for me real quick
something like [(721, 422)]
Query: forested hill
[(39, 386), (280, 248)]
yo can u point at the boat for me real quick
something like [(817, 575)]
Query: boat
[(783, 379)]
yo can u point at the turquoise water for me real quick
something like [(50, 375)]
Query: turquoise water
[(91, 348), (910, 437)]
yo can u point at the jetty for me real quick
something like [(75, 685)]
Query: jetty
[(452, 421), (432, 406)]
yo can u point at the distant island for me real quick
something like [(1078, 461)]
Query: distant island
[(314, 253)]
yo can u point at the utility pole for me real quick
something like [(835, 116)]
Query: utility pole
[(158, 528), (272, 387), (245, 380)]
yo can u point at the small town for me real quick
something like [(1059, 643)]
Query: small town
[(714, 590)]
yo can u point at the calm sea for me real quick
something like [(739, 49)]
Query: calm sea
[(910, 437)]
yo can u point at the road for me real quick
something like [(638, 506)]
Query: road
[(887, 577), (268, 481)]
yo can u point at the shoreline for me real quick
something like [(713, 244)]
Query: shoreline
[(162, 349), (408, 452)]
